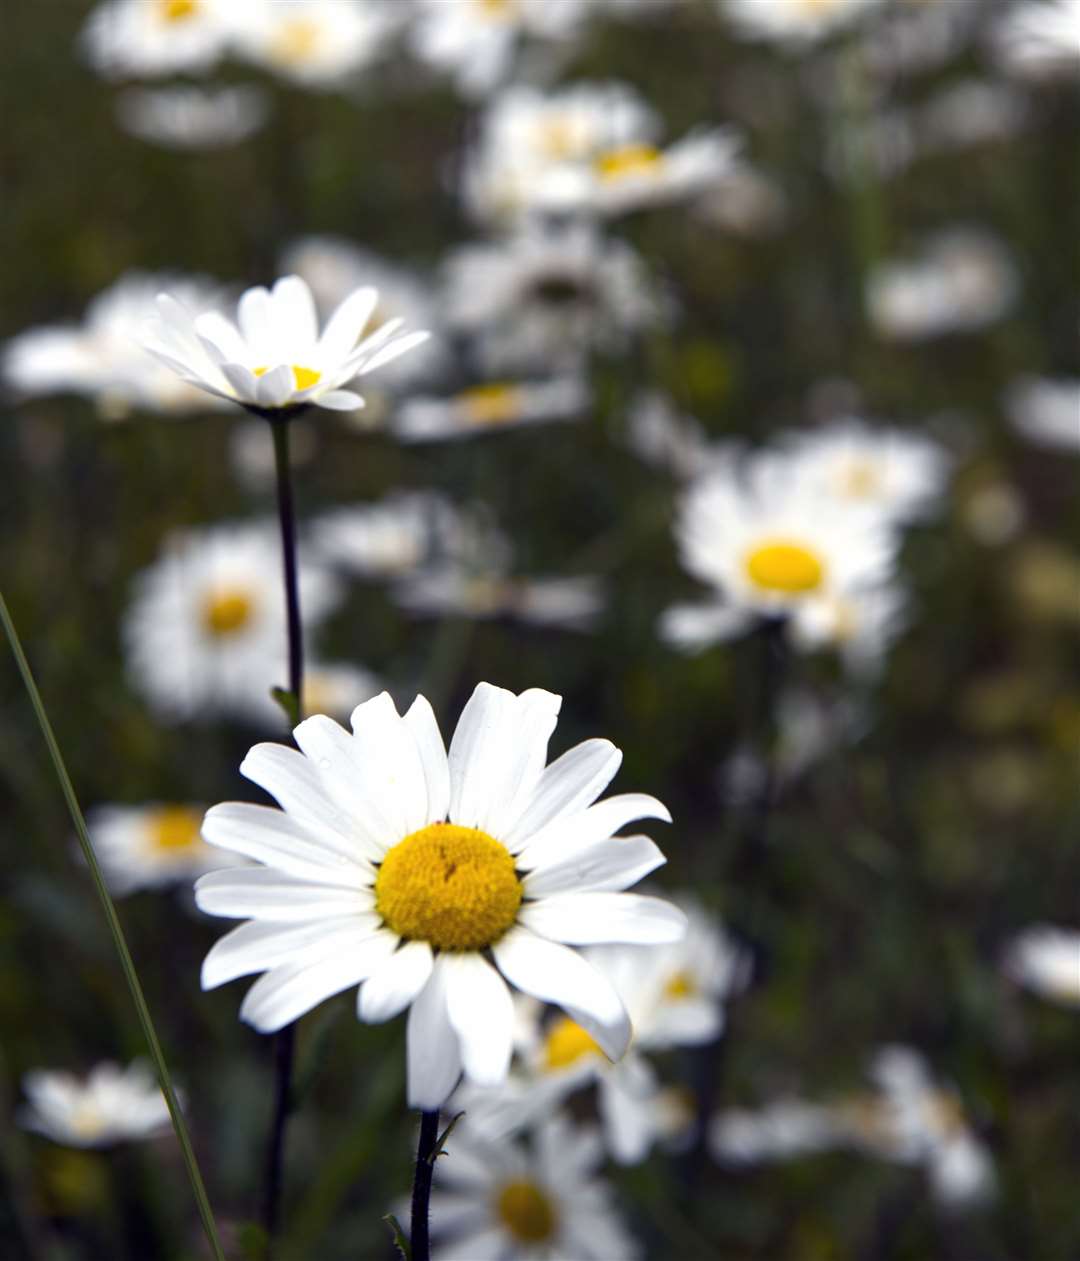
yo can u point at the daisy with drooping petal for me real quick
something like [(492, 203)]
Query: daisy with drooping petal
[(1047, 411), (277, 359), (503, 1200), (313, 43), (148, 38), (495, 405), (411, 871), (205, 633), (1046, 959), (792, 21), (112, 1105), (150, 847)]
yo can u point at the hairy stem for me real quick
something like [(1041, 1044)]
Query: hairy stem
[(421, 1195)]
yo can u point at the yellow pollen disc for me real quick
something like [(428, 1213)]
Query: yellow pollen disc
[(496, 8), (178, 10), (681, 985), (566, 1043), (558, 138), (303, 378), (526, 1211), (227, 611), (789, 568), (297, 41), (631, 159), (450, 886), (491, 404), (174, 827), (859, 480)]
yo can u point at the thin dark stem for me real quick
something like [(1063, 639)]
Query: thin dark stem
[(421, 1193), (285, 1040)]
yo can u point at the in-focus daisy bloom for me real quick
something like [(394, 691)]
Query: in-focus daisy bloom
[(1046, 410), (314, 43), (792, 21), (1046, 959), (431, 878), (192, 118), (492, 406), (277, 359), (205, 633), (112, 1105), (149, 847), (149, 38), (504, 1200)]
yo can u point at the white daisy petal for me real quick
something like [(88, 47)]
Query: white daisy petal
[(393, 351), (270, 836), (570, 783), (275, 386), (242, 380), (477, 751), (296, 785), (481, 1013), (256, 317), (340, 401), (343, 329), (584, 918), (534, 716), (391, 773), (295, 310), (260, 944), (432, 1050), (223, 337), (569, 833), (612, 864), (396, 983), (422, 723), (558, 975), (489, 1244), (285, 993), (262, 893)]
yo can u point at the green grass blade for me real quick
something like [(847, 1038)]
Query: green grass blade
[(126, 962)]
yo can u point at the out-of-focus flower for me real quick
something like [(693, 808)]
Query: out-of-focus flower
[(149, 38), (547, 297), (191, 117), (784, 1130), (457, 590), (1047, 411), (1040, 39), (336, 688), (657, 434), (314, 43), (150, 847), (860, 624), (102, 358), (399, 866), (962, 280), (334, 267), (112, 1105), (747, 201), (792, 21), (394, 537), (205, 632), (474, 40), (591, 147), (899, 475), (277, 358), (971, 112), (495, 405), (1046, 959), (526, 1203), (772, 547)]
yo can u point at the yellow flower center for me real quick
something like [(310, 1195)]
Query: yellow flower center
[(526, 1211), (681, 985), (86, 1120), (558, 138), (296, 41), (178, 10), (786, 567), (227, 611), (492, 404), (566, 1043), (453, 887), (174, 827), (303, 378), (859, 479), (496, 8), (628, 160)]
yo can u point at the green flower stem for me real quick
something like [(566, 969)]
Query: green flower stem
[(126, 963)]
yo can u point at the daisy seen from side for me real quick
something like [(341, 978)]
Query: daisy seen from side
[(110, 1105)]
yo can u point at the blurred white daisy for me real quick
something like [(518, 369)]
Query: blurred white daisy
[(504, 1200), (102, 358), (772, 547), (792, 21), (401, 867), (784, 1130), (1047, 411), (205, 632), (860, 624), (544, 297), (151, 846), (961, 280), (313, 43), (149, 38), (335, 688), (660, 436), (1039, 39), (1046, 959), (333, 267), (191, 117), (111, 1105), (277, 357), (490, 407), (395, 536), (900, 475), (475, 40)]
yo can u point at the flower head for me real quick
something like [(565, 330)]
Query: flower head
[(412, 870), (1046, 959), (112, 1105), (277, 359)]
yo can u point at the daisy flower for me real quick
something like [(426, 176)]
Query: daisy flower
[(504, 1200), (205, 632), (152, 846), (1046, 959), (191, 118), (792, 21), (112, 1105), (150, 38), (313, 43), (1040, 39), (494, 405), (783, 1130), (422, 875), (277, 359), (456, 590), (659, 435), (393, 537), (770, 547), (1047, 411)]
